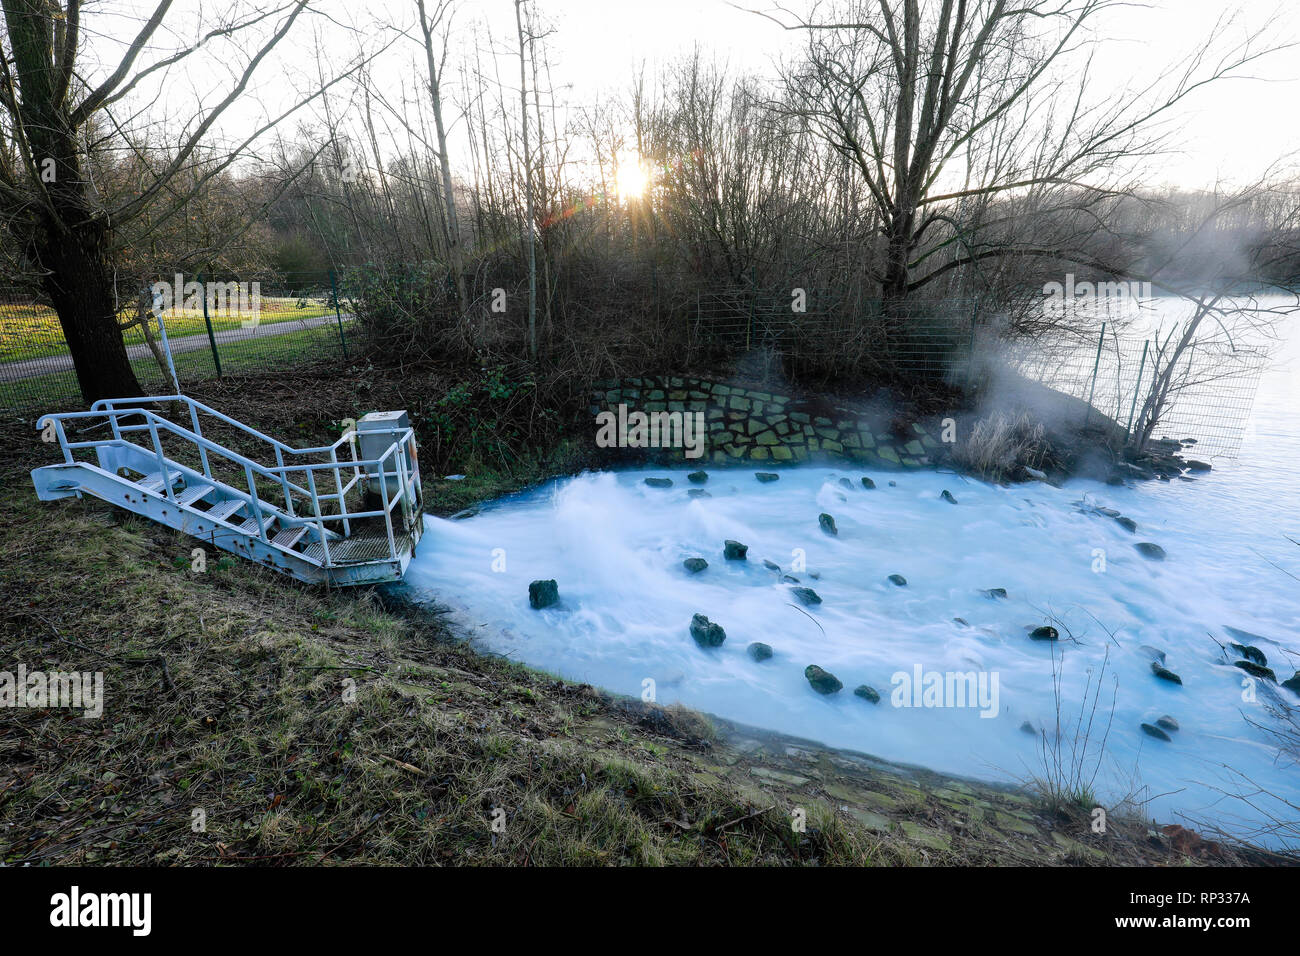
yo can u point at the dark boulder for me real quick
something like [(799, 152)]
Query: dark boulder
[(827, 523), (543, 594), (1293, 683), (845, 483), (698, 493), (698, 477), (1250, 652), (1149, 550), (1194, 465), (1255, 670), (659, 482), (759, 651), (868, 483), (695, 565), (824, 682), (1044, 633), (994, 592), (1164, 673), (705, 632), (734, 550), (766, 476), (947, 496), (807, 596), (897, 580), (1151, 730), (1128, 524), (867, 692), (1167, 723)]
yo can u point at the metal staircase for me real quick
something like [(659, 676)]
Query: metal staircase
[(299, 521)]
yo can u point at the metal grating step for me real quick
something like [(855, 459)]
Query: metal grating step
[(250, 526), (222, 510), (154, 482), (288, 537), (193, 493), (356, 549)]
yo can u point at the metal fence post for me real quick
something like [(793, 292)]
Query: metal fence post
[(212, 338), (334, 287), (1137, 388), (970, 351), (1087, 416)]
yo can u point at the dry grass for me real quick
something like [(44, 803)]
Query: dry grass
[(1000, 444)]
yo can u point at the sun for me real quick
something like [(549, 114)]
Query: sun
[(631, 179)]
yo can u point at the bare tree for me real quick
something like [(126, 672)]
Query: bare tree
[(943, 105), (54, 124)]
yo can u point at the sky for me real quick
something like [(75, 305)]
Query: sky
[(1228, 131)]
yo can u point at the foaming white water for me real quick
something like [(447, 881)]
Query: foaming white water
[(616, 548)]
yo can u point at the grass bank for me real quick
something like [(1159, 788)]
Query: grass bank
[(251, 720)]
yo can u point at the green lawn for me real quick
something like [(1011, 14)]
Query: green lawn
[(58, 391), (32, 331)]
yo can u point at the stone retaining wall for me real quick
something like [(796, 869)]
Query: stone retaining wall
[(744, 425)]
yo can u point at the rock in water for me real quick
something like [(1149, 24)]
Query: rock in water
[(1028, 728), (806, 596), (845, 483), (1164, 673), (824, 682), (698, 493), (1149, 550), (659, 482), (1155, 653), (1254, 670), (759, 651), (705, 632), (867, 692), (771, 565), (1044, 633), (898, 580), (962, 621), (947, 496), (695, 565), (868, 483), (543, 594), (766, 476), (1167, 723), (1128, 524), (698, 477), (1251, 653), (994, 592), (827, 523), (1151, 730), (1194, 465), (1293, 683), (734, 550)]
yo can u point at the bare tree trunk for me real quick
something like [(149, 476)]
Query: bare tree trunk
[(452, 227), (528, 185)]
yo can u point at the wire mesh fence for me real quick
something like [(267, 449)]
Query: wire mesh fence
[(192, 328), (1209, 401)]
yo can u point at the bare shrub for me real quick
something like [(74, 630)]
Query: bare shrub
[(1000, 445)]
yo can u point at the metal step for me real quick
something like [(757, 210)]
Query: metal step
[(288, 537), (193, 493), (154, 482), (222, 510), (250, 526)]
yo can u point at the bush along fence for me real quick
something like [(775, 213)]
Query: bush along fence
[(677, 419), (195, 327)]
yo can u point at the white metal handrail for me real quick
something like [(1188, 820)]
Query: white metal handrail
[(154, 423)]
